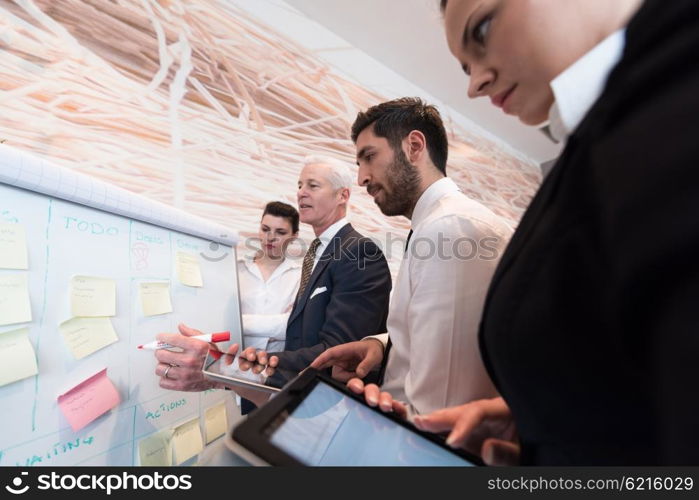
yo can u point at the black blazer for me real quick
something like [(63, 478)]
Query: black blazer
[(591, 324), (354, 272)]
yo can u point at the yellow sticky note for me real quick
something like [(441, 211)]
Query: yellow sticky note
[(92, 297), (87, 335), (215, 422), (186, 441), (188, 270), (155, 298), (17, 357), (14, 299), (13, 247), (156, 450)]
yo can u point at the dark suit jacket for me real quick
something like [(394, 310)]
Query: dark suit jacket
[(591, 325), (355, 304)]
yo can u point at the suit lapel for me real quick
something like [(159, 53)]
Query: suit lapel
[(328, 254), (531, 217)]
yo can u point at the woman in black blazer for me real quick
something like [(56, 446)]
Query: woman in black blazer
[(591, 325)]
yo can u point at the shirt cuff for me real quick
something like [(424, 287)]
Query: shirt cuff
[(381, 337)]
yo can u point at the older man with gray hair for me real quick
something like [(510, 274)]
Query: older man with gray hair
[(343, 295), (345, 280)]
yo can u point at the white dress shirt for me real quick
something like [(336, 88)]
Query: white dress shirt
[(266, 305), (327, 236), (578, 87), (438, 300)]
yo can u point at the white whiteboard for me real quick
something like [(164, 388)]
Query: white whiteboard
[(66, 238)]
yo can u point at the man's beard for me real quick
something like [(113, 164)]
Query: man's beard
[(403, 180)]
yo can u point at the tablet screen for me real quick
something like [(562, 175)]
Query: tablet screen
[(225, 367), (329, 428)]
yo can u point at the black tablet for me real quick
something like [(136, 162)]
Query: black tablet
[(317, 421), (222, 367)]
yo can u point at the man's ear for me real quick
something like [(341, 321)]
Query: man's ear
[(345, 195), (416, 145)]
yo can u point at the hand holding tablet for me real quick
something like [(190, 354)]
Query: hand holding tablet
[(237, 372), (315, 420)]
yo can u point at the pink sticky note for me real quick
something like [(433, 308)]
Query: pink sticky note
[(88, 400)]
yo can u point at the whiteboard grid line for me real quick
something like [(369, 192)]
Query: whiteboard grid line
[(31, 172), (121, 409)]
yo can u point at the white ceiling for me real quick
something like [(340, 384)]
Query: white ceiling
[(407, 36)]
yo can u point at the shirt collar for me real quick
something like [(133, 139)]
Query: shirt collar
[(433, 193), (249, 260), (578, 87), (330, 232)]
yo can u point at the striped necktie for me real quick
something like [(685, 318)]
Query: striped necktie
[(307, 267)]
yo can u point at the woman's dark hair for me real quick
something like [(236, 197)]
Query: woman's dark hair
[(281, 209)]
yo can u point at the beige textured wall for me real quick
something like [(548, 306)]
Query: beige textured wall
[(198, 105)]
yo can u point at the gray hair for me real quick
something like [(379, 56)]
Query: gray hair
[(339, 174)]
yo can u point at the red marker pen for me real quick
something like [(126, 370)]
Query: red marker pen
[(211, 337)]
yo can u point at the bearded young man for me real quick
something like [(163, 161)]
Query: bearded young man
[(453, 247)]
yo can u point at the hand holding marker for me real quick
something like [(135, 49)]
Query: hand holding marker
[(211, 337)]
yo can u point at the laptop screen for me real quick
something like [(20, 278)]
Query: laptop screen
[(332, 429)]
